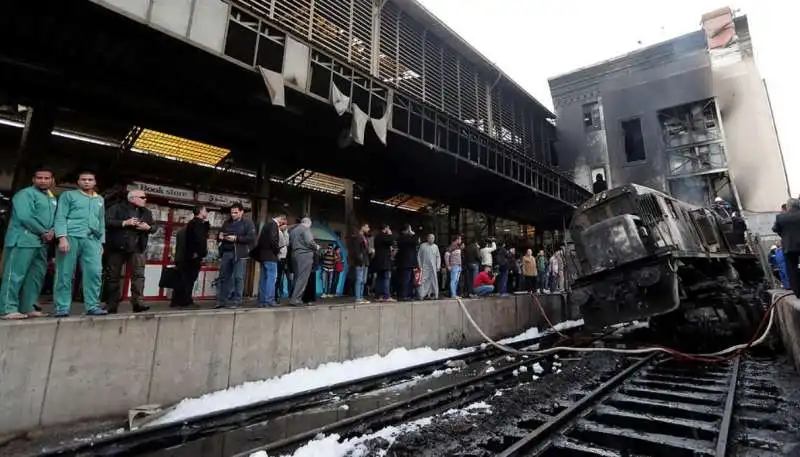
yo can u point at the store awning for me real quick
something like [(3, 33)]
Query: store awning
[(177, 148)]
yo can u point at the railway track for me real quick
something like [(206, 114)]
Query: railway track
[(664, 407), (655, 407), (452, 396), (150, 440)]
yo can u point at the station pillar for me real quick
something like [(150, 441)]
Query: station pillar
[(306, 209), (350, 221), (491, 225), (453, 222), (36, 138), (261, 203)]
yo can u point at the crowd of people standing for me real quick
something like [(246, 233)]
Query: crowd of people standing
[(409, 267), (92, 244)]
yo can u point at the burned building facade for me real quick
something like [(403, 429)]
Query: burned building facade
[(690, 116)]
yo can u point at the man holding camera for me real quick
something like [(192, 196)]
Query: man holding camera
[(236, 236)]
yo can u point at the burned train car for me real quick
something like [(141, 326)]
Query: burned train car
[(644, 255)]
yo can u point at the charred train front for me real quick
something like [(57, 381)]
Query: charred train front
[(642, 254)]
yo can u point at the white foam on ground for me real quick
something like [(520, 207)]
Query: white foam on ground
[(325, 375), (329, 446), (304, 379)]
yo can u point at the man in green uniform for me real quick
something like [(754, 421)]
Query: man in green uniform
[(30, 229), (80, 225)]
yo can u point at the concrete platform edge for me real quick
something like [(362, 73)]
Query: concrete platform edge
[(81, 368), (787, 325)]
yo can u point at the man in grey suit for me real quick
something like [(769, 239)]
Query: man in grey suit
[(303, 246)]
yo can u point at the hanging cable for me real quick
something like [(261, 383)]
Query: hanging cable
[(715, 357)]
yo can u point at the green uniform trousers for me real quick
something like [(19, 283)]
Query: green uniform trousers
[(23, 275), (87, 252)]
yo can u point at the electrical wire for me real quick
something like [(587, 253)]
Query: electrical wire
[(715, 357)]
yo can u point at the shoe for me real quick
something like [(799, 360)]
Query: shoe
[(140, 309), (14, 316), (36, 314), (96, 312)]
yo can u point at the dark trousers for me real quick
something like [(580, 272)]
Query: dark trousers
[(182, 294), (791, 259), (541, 279), (382, 284), (472, 273), (406, 283), (530, 283), (282, 272), (310, 292), (116, 260)]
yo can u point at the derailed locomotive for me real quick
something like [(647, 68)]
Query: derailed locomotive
[(642, 254)]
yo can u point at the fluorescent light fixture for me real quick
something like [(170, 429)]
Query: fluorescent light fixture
[(175, 147)]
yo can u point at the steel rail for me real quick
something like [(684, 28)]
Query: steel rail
[(453, 395), (727, 416), (181, 432), (556, 423)]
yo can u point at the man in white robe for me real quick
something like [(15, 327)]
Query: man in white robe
[(430, 262)]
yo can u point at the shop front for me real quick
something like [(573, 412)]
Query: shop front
[(172, 209)]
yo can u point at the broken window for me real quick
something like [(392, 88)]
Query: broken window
[(634, 140), (591, 116)]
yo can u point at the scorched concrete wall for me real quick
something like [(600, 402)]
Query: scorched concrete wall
[(58, 371)]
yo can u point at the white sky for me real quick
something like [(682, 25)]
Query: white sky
[(532, 40)]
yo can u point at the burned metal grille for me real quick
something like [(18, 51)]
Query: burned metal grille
[(407, 58), (441, 97)]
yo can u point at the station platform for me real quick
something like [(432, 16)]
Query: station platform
[(787, 323), (58, 371)]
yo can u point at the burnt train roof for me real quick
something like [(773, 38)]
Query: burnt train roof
[(634, 189)]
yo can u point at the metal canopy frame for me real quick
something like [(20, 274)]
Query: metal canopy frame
[(436, 98)]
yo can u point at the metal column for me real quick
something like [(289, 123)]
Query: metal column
[(491, 225), (349, 208), (36, 139), (261, 203), (453, 222)]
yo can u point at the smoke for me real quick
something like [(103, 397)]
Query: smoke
[(692, 190)]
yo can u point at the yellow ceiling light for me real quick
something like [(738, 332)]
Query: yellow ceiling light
[(175, 147), (407, 202), (319, 182)]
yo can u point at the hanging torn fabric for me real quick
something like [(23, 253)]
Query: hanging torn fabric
[(381, 125), (275, 88), (339, 101), (359, 125)]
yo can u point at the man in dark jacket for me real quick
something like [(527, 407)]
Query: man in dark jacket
[(382, 263), (266, 253), (191, 247), (787, 225), (406, 261), (472, 259), (359, 259), (504, 260), (128, 227), (236, 237)]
